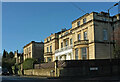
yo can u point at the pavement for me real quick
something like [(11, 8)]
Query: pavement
[(70, 79)]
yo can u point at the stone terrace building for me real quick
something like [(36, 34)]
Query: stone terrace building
[(18, 57), (34, 50), (51, 43), (89, 38)]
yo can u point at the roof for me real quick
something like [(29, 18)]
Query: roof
[(80, 17), (32, 43), (55, 33)]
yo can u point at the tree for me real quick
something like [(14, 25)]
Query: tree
[(11, 55), (8, 63), (8, 60), (4, 54)]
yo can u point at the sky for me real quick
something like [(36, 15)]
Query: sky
[(23, 22)]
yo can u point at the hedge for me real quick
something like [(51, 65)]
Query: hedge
[(29, 63)]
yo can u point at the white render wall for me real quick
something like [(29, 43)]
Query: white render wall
[(68, 53)]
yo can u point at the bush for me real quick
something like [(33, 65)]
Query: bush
[(16, 68), (29, 63)]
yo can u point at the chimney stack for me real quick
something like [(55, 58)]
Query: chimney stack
[(17, 51)]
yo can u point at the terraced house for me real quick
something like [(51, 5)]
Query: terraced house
[(34, 50), (51, 43), (89, 38)]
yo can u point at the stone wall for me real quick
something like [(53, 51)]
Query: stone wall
[(45, 65), (40, 72), (88, 68), (78, 68)]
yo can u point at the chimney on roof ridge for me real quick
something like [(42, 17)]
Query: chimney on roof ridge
[(17, 51), (104, 13), (63, 29), (32, 41)]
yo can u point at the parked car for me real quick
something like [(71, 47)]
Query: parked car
[(0, 70), (5, 71)]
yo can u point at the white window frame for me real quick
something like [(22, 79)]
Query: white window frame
[(85, 35), (76, 54), (84, 54)]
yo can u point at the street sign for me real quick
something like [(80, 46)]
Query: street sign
[(93, 68)]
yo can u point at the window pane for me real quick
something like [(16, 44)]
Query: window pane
[(71, 41), (84, 20), (104, 34), (50, 48), (66, 42), (66, 33), (27, 50), (50, 39), (78, 23), (84, 53), (61, 44), (85, 35), (79, 36), (47, 49), (49, 59), (47, 39), (76, 53)]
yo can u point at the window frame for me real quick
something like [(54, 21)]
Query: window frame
[(105, 34), (85, 35), (47, 49), (61, 44), (71, 41), (47, 40), (84, 57), (76, 54), (84, 20), (50, 38), (78, 23), (50, 48), (79, 36), (49, 58), (66, 43), (29, 49)]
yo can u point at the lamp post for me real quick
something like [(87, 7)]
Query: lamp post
[(110, 30)]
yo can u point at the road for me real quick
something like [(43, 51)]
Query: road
[(45, 79)]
